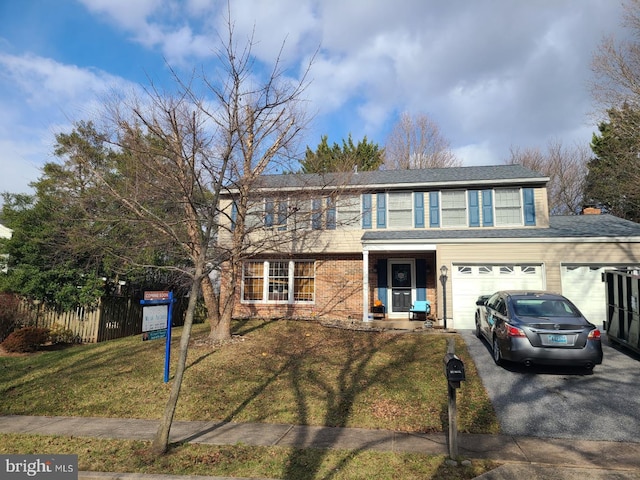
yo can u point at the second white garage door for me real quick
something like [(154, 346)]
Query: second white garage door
[(583, 285), (471, 281)]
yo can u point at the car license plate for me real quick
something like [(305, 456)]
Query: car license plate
[(557, 339)]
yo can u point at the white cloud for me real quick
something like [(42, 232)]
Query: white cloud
[(491, 73), (129, 14), (478, 154), (55, 95), (492, 69), (18, 167)]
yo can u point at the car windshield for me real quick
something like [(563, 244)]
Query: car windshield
[(538, 307)]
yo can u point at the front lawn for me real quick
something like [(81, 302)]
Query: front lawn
[(277, 372)]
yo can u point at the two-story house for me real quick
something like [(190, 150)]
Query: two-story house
[(337, 243)]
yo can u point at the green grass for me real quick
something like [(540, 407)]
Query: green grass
[(244, 461), (274, 372)]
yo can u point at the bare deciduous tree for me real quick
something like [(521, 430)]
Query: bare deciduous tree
[(616, 65), (181, 152), (416, 142), (566, 169)]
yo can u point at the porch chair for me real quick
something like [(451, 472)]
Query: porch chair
[(420, 309)]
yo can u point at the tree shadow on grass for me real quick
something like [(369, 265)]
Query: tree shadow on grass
[(248, 325), (239, 329), (360, 369), (357, 374)]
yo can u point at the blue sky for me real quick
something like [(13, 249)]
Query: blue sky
[(493, 74)]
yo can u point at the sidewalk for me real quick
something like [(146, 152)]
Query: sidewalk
[(560, 459)]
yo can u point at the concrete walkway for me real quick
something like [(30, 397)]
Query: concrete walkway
[(524, 457)]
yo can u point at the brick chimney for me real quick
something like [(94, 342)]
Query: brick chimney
[(591, 211)]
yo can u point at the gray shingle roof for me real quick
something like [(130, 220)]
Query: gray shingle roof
[(404, 178), (573, 226)]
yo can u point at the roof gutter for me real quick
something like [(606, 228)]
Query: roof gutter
[(402, 186)]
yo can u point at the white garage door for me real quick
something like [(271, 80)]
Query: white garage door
[(471, 281), (583, 285)]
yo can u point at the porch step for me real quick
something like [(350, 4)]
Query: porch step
[(400, 324)]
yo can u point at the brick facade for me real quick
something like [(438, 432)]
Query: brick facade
[(338, 291)]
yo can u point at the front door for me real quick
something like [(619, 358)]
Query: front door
[(401, 284)]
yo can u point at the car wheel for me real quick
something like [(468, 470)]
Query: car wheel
[(497, 355), (478, 334)]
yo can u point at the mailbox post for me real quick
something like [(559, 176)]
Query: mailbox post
[(454, 373)]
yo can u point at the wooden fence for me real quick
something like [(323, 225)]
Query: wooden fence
[(113, 317)]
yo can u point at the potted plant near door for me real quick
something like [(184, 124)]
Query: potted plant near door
[(378, 309)]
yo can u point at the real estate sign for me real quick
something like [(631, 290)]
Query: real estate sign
[(156, 321), (154, 317)]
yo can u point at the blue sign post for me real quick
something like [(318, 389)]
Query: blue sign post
[(153, 299)]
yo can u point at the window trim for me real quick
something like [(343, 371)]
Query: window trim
[(496, 219), (465, 216), (408, 209), (266, 283)]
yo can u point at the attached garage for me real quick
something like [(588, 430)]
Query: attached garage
[(471, 281), (582, 284)]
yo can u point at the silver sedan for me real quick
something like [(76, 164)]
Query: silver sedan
[(537, 327)]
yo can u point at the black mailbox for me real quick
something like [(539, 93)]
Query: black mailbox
[(454, 370)]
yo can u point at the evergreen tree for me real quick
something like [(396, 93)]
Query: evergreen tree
[(613, 180), (346, 158)]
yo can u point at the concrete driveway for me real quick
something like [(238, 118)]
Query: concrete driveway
[(563, 402)]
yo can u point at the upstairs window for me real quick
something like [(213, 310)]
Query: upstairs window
[(275, 213), (295, 213), (323, 214), (508, 206), (300, 214), (454, 208), (255, 215), (348, 211), (400, 210)]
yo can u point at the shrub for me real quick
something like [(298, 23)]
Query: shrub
[(26, 339), (10, 317), (59, 334)]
